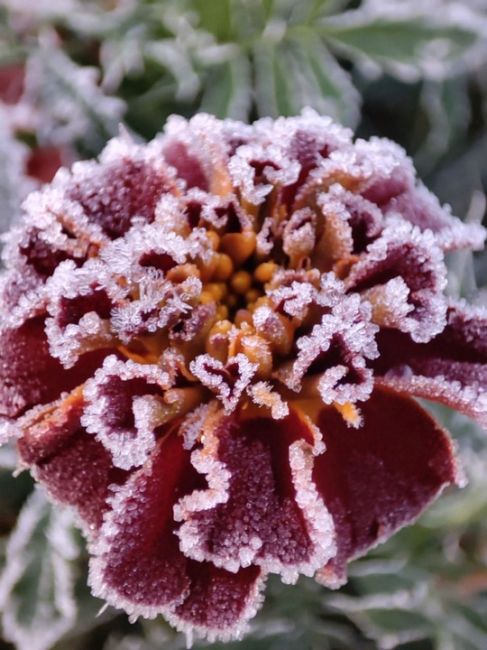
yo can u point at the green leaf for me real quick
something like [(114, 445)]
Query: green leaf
[(37, 583), (228, 91), (403, 46)]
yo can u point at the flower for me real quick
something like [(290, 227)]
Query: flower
[(209, 346)]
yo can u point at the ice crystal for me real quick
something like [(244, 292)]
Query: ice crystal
[(209, 348)]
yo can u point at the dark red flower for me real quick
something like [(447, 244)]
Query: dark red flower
[(209, 344)]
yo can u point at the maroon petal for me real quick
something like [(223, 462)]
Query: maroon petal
[(381, 476), (260, 506), (219, 602), (73, 466), (422, 208), (29, 375), (138, 564), (450, 369)]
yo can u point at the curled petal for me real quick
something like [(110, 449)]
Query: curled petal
[(421, 208), (261, 506), (219, 603), (80, 302), (404, 252), (75, 469), (451, 368), (124, 407), (29, 375), (381, 476), (125, 185)]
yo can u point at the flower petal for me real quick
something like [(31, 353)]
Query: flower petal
[(260, 506), (138, 565), (381, 476), (219, 603), (30, 375), (451, 368), (73, 466)]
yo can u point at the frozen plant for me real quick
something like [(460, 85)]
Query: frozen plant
[(209, 349)]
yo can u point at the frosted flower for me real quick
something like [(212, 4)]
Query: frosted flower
[(209, 349)]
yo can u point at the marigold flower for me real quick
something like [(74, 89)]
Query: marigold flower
[(209, 345)]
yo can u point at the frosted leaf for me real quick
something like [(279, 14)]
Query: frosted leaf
[(124, 407), (227, 381), (80, 301), (81, 109), (37, 583), (14, 184)]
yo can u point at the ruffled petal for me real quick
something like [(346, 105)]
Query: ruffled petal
[(138, 565), (73, 466), (450, 369), (219, 603), (260, 506), (381, 476), (29, 375)]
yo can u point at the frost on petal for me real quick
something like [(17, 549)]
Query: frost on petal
[(124, 186), (160, 304), (404, 252), (219, 603), (80, 301), (421, 208), (263, 394), (451, 368), (73, 466), (29, 375), (124, 407), (350, 223), (255, 169), (260, 506), (381, 476), (137, 563), (227, 381), (333, 355)]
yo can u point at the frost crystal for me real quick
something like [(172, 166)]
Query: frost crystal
[(207, 344)]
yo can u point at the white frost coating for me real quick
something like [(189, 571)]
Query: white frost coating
[(349, 326), (68, 341), (319, 523), (389, 302), (404, 244), (55, 606), (263, 394), (192, 427), (101, 547), (234, 632), (227, 381), (125, 255), (128, 446), (160, 304), (299, 235), (278, 170)]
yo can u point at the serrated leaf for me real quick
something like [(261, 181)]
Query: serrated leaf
[(405, 46), (72, 105), (37, 582)]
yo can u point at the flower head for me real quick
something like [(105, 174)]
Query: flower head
[(208, 348)]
